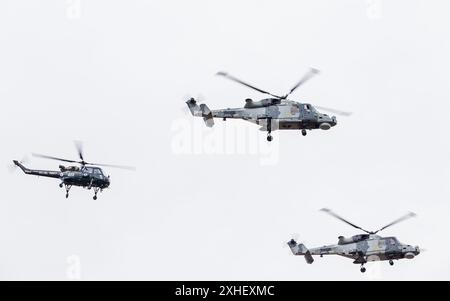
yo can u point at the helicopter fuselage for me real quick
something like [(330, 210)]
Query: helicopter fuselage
[(285, 115), (361, 248), (86, 176), (271, 114), (275, 113), (373, 248)]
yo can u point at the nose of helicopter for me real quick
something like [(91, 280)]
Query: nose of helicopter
[(410, 252), (327, 122), (417, 251)]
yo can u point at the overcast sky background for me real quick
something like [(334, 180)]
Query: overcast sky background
[(115, 75)]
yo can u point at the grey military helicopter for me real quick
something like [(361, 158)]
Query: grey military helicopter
[(362, 248), (276, 112), (87, 175)]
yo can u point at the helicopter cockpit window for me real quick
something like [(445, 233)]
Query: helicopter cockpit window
[(391, 241), (307, 108), (97, 171), (89, 169)]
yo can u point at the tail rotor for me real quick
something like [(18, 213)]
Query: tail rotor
[(13, 167), (200, 99)]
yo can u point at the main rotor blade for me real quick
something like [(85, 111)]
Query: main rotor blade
[(338, 112), (245, 84), (344, 220), (405, 217), (53, 158), (79, 147), (304, 79), (114, 166)]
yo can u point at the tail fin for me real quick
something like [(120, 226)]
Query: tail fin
[(300, 249), (24, 169), (201, 111)]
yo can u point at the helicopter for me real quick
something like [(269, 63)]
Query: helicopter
[(362, 248), (87, 175), (275, 112)]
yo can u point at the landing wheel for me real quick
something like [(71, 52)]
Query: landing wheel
[(304, 132), (363, 270), (96, 190), (391, 262), (67, 189), (269, 129)]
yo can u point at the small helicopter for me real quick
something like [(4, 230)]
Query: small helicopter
[(88, 175), (362, 248), (276, 112)]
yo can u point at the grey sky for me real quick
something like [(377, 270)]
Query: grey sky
[(114, 74)]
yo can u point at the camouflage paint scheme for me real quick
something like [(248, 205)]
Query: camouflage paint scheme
[(362, 248), (283, 114), (274, 113)]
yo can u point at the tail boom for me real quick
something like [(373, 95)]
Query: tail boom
[(41, 173)]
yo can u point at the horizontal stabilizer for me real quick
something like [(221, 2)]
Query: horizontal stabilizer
[(207, 115)]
